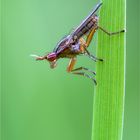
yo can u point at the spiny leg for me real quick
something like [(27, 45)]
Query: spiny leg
[(83, 68), (110, 33), (86, 75)]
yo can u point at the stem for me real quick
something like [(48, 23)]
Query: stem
[(108, 108)]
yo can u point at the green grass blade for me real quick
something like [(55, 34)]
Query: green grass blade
[(108, 108)]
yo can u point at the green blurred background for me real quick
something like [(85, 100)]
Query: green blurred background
[(38, 103)]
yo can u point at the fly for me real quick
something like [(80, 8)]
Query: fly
[(74, 44)]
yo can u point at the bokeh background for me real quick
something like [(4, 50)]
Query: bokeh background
[(38, 103)]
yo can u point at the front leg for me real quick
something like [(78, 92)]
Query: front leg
[(83, 68), (86, 75), (71, 66)]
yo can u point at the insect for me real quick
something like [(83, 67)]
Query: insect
[(74, 44)]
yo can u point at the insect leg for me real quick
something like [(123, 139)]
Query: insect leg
[(70, 69), (92, 56), (90, 36), (110, 33), (71, 64), (86, 75), (83, 68), (88, 39), (85, 44)]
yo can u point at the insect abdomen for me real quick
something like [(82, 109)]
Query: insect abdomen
[(86, 27)]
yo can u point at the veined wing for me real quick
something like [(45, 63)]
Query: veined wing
[(86, 21), (61, 45)]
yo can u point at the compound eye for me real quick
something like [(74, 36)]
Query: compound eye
[(51, 57)]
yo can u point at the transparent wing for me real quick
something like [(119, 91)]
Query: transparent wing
[(61, 44), (86, 20)]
